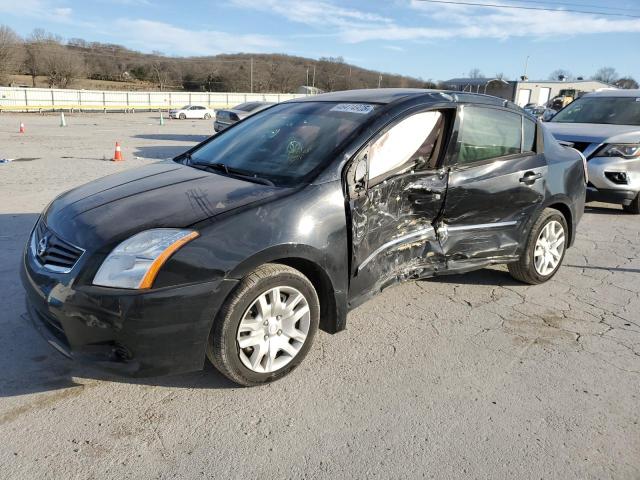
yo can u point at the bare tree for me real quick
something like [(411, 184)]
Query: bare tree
[(9, 42), (561, 74), (626, 83), (35, 51), (475, 73), (60, 65), (606, 75)]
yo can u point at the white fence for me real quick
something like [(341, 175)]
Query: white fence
[(42, 99)]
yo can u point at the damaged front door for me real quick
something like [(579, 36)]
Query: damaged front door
[(395, 193)]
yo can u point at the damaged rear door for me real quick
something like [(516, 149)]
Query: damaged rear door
[(395, 193), (497, 176)]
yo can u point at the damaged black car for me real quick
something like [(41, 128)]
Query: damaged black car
[(241, 248)]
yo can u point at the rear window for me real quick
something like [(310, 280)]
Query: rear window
[(246, 107)]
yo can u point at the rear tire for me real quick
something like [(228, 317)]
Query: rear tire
[(543, 255), (634, 206), (266, 327)]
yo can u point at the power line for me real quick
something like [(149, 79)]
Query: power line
[(584, 5), (494, 5)]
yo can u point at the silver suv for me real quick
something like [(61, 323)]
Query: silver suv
[(605, 127)]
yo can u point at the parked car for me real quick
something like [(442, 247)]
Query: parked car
[(192, 111), (225, 118), (605, 127), (242, 247), (534, 109)]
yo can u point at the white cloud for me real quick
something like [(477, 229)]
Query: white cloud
[(148, 35), (311, 12), (441, 21)]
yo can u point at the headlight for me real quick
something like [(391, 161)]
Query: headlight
[(625, 150), (136, 261)]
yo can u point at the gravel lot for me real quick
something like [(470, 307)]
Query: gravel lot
[(472, 376)]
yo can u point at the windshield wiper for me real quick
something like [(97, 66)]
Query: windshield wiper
[(234, 172)]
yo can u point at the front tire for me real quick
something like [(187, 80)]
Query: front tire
[(182, 116), (207, 116), (634, 206), (266, 327), (545, 249)]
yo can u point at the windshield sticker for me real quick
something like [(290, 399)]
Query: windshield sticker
[(353, 108)]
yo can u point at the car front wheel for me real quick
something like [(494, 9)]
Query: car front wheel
[(266, 327), (544, 251), (634, 206), (182, 116), (207, 116)]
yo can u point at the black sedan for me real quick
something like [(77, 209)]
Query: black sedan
[(226, 118), (241, 248)]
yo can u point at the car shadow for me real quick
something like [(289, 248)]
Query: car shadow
[(160, 152), (485, 276), (602, 210), (28, 364), (173, 137)]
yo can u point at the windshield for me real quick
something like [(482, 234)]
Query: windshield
[(185, 107), (609, 110), (287, 143)]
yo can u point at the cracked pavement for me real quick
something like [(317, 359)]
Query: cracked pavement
[(468, 376)]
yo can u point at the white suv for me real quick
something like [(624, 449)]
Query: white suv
[(605, 127)]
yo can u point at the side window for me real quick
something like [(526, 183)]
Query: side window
[(488, 133), (410, 143), (528, 135)]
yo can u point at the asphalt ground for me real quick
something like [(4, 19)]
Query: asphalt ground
[(470, 376)]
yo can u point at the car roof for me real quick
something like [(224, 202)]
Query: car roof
[(396, 95), (615, 92)]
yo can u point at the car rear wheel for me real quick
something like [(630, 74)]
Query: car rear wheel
[(544, 251), (266, 327), (207, 116), (634, 206), (182, 116)]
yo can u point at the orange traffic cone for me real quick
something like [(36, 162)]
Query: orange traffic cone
[(21, 127), (117, 157)]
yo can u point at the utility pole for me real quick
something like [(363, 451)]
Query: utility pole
[(526, 65), (314, 76), (251, 75), (307, 84), (379, 80)]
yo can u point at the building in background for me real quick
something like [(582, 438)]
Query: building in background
[(541, 92), (523, 92)]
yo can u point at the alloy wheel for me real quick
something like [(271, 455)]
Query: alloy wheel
[(273, 329), (549, 248)]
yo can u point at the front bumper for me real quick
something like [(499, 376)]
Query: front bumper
[(618, 196), (599, 166), (137, 333)]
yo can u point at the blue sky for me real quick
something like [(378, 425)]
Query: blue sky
[(432, 41)]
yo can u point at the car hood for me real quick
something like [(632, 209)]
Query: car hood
[(594, 132), (164, 194)]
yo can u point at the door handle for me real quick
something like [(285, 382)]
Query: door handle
[(530, 178)]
